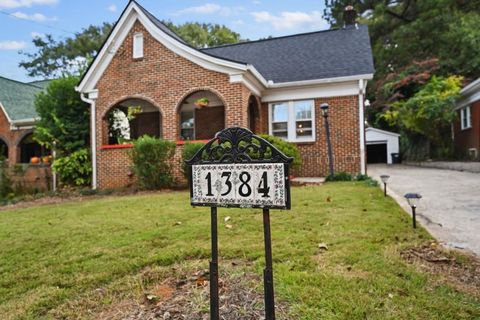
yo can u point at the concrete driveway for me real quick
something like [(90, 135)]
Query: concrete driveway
[(450, 208)]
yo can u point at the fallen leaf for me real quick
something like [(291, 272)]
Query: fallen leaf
[(390, 296), (329, 199), (323, 246), (178, 223), (228, 226), (227, 219)]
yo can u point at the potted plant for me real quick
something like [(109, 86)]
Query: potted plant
[(202, 102)]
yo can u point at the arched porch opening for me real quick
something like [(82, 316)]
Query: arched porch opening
[(129, 120), (3, 150), (29, 149), (201, 115)]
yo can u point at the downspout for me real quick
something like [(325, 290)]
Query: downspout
[(361, 95), (93, 137)]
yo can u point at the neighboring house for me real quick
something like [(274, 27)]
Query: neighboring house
[(273, 86), (466, 128), (17, 120)]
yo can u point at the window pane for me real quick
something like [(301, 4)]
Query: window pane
[(303, 110), (280, 112), (280, 129)]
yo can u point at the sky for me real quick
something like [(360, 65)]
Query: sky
[(22, 20)]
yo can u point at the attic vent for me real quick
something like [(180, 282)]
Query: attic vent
[(138, 45)]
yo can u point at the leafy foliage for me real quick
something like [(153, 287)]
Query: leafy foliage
[(152, 162), (287, 148), (429, 112), (64, 117), (57, 58), (71, 56), (74, 169), (189, 150), (201, 35)]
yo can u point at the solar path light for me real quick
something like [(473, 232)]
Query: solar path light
[(385, 178), (413, 200)]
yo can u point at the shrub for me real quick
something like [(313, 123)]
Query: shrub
[(287, 148), (5, 181), (189, 150), (339, 176), (152, 162), (74, 169)]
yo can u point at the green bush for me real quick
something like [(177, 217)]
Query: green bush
[(189, 150), (6, 188), (339, 176), (74, 169), (287, 148), (152, 162)]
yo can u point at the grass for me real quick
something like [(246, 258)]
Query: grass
[(55, 259)]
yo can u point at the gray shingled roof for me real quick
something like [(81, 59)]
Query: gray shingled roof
[(310, 56), (18, 99)]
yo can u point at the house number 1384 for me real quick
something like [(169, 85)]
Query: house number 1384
[(244, 189)]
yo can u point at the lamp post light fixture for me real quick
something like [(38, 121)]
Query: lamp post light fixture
[(385, 178), (413, 200), (324, 107)]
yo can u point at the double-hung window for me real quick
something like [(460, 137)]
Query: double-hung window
[(466, 118), (293, 120), (138, 45)]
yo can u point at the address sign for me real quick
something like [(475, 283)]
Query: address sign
[(239, 169)]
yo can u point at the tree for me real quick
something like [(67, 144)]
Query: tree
[(57, 58), (64, 117), (429, 113), (54, 58), (201, 35)]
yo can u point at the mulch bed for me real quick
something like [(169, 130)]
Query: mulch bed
[(464, 274), (241, 298)]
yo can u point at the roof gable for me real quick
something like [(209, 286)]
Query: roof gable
[(18, 99), (305, 59)]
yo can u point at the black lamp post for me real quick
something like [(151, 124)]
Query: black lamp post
[(413, 200), (324, 107), (385, 180)]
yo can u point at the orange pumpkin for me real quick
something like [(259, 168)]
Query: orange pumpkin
[(46, 159), (35, 160)]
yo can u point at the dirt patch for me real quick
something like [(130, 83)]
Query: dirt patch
[(462, 271), (187, 297)]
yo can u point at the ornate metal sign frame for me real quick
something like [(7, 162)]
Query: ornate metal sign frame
[(239, 146)]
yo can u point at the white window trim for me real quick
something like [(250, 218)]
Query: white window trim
[(138, 45), (292, 121), (466, 112)]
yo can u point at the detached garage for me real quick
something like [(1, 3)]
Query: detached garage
[(380, 145)]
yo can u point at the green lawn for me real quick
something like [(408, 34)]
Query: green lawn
[(53, 259)]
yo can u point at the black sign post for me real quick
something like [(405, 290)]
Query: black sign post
[(238, 169)]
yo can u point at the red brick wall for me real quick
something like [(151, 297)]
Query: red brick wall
[(165, 79), (469, 138), (209, 121), (345, 137)]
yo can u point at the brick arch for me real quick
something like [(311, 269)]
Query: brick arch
[(130, 97), (192, 91), (5, 140), (197, 89), (22, 136), (103, 115)]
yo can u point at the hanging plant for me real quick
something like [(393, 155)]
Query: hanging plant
[(202, 102)]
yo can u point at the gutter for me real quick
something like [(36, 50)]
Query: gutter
[(93, 132)]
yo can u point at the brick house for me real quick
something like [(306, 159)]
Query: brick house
[(273, 86), (17, 121), (467, 126)]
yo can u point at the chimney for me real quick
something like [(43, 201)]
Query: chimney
[(350, 16)]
